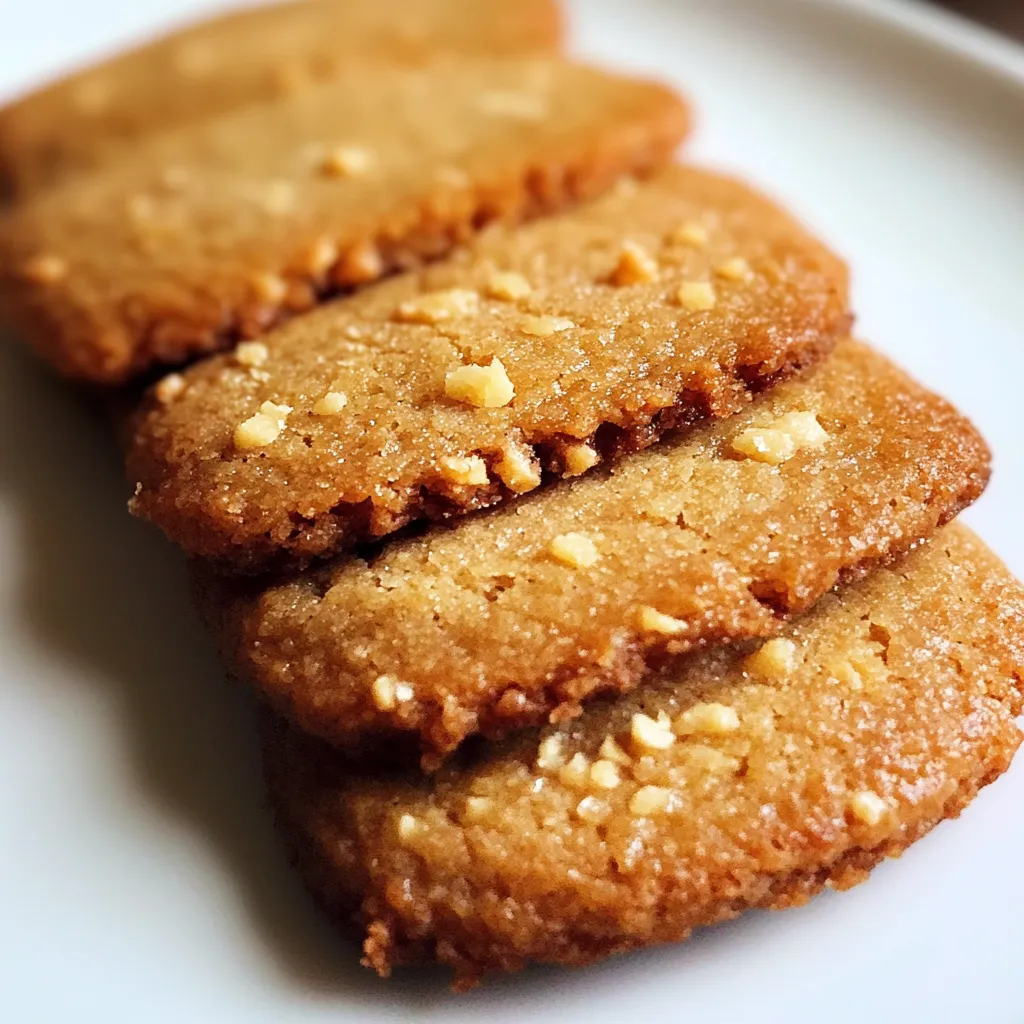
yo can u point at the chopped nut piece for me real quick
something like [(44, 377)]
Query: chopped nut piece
[(579, 458), (486, 387), (611, 751), (649, 734), (635, 266), (320, 257), (710, 759), (468, 470), (269, 287), (650, 800), (846, 673), (478, 808), (544, 326), (650, 620), (360, 264), (778, 443), (605, 774), (575, 771), (517, 471), (45, 269), (593, 809), (347, 162), (522, 106), (251, 353), (330, 404), (262, 428), (453, 177), (691, 233), (408, 826), (868, 807), (508, 285), (577, 550), (696, 296), (436, 307), (280, 197), (734, 269), (169, 388), (388, 692), (774, 659), (549, 753), (711, 718)]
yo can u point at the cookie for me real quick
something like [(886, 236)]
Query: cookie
[(215, 232), (525, 612), (545, 348), (742, 777), (93, 116)]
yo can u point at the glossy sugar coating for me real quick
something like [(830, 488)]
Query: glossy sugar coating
[(214, 232), (522, 613), (426, 361), (897, 705), (92, 116)]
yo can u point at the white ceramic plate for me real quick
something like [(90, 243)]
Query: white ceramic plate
[(139, 879)]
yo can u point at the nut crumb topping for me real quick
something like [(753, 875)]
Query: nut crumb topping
[(635, 266), (692, 232), (736, 268), (549, 753), (436, 307), (279, 198), (521, 106), (605, 774), (320, 257), (269, 288), (868, 807), (360, 264), (575, 772), (774, 659), (388, 692), (251, 353), (169, 388), (544, 326), (713, 718), (468, 470), (696, 296), (453, 177), (478, 808), (651, 733), (486, 387), (650, 620), (347, 162), (593, 809), (45, 269), (650, 800), (579, 458), (262, 428), (517, 470), (408, 826), (576, 550), (612, 751), (330, 404), (508, 285), (779, 442)]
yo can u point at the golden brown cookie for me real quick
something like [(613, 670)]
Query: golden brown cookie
[(523, 613), (209, 68), (741, 777), (549, 347), (215, 232)]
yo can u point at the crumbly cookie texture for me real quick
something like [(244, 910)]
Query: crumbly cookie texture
[(542, 849), (273, 207), (261, 54), (435, 367), (525, 612)]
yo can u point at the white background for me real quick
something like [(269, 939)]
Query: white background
[(139, 879)]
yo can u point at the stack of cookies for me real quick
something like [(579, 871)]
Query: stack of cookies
[(597, 583)]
